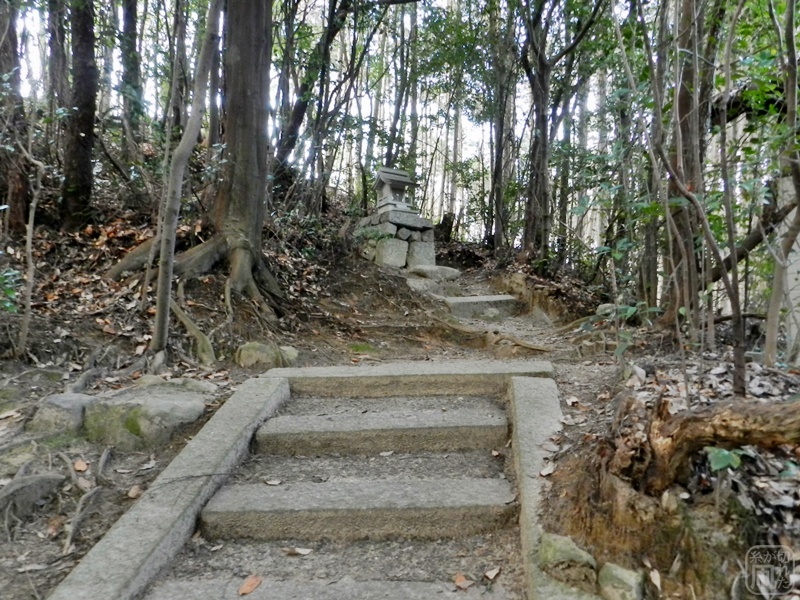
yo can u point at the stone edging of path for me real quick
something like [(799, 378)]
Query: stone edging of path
[(146, 538), (535, 413)]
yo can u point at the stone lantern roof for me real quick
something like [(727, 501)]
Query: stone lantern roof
[(391, 185)]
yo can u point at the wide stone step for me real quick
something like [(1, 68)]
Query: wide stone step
[(351, 510), (347, 589), (474, 306), (374, 432)]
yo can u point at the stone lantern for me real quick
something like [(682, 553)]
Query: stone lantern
[(392, 187), (395, 234)]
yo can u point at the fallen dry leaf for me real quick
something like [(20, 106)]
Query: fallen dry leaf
[(492, 573), (135, 492), (461, 581), (80, 465), (148, 465), (249, 584), (55, 525), (548, 470), (572, 400), (84, 484), (389, 453), (273, 481), (293, 551)]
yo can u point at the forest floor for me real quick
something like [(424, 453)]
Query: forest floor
[(346, 311)]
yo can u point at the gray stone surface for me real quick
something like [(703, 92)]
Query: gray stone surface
[(24, 492), (435, 272), (491, 314), (391, 253), (351, 510), (404, 233), (535, 413), (561, 558), (421, 253), (61, 412), (253, 354), (289, 355), (148, 535), (427, 235), (425, 286), (470, 306), (384, 229), (342, 589), (182, 384), (408, 220), (618, 583), (416, 236), (374, 432), (138, 418), (415, 378), (369, 249)]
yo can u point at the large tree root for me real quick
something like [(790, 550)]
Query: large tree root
[(488, 338), (205, 350), (247, 275), (651, 448)]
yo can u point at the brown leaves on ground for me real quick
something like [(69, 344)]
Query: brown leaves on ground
[(249, 585)]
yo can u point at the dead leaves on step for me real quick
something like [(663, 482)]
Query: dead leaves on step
[(249, 585), (463, 582)]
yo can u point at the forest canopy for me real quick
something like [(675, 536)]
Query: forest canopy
[(646, 148)]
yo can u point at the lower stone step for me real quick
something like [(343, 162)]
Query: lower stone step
[(228, 589), (353, 510), (475, 306), (374, 432)]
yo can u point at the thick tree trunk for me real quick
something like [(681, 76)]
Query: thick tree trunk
[(243, 196), (78, 179), (57, 69), (14, 186)]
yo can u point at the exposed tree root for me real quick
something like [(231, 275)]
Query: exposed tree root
[(205, 350), (248, 276), (487, 337), (653, 457)]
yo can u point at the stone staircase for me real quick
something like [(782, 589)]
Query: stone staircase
[(407, 480)]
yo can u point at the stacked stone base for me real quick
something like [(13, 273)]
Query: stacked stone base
[(397, 238)]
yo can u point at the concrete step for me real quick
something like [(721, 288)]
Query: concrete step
[(475, 306), (384, 466), (347, 589), (352, 510), (374, 432)]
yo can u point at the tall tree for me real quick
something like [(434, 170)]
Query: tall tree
[(14, 187), (78, 177), (132, 94)]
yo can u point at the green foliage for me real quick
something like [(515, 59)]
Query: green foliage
[(720, 459), (9, 282)]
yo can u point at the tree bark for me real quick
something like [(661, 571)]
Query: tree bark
[(14, 187), (132, 93), (78, 178), (652, 463)]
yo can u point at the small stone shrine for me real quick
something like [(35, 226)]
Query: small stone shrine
[(395, 235)]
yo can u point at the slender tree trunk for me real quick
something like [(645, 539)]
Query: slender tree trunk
[(132, 93), (57, 68), (78, 178), (172, 199)]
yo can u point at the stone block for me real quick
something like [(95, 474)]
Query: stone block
[(435, 272), (391, 253), (563, 560), (403, 233), (24, 492), (416, 236), (382, 230), (368, 249), (251, 354), (405, 219), (61, 412), (421, 253), (617, 583), (427, 235)]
